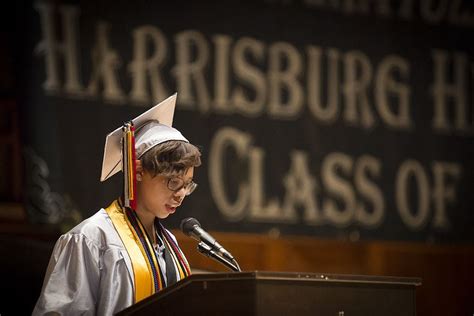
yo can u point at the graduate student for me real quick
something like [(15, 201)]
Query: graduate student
[(123, 253)]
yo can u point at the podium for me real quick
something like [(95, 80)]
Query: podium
[(275, 293)]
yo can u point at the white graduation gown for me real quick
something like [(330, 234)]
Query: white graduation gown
[(89, 273)]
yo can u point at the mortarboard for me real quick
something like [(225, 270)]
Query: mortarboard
[(136, 137)]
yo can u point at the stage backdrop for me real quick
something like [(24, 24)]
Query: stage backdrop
[(338, 119)]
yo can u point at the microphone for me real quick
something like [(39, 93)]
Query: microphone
[(191, 227)]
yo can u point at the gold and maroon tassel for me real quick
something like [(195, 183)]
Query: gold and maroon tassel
[(129, 166)]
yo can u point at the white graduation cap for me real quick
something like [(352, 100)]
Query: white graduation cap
[(152, 128)]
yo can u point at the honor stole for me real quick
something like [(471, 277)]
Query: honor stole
[(148, 277)]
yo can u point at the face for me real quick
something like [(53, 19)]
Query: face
[(154, 198)]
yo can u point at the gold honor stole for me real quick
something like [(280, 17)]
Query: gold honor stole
[(148, 277)]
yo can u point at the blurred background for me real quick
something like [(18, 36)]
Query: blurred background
[(337, 135)]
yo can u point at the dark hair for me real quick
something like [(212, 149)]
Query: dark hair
[(170, 158)]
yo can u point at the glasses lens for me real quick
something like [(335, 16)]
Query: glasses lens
[(191, 187), (174, 184)]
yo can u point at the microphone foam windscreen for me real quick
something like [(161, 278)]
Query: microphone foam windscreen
[(187, 225)]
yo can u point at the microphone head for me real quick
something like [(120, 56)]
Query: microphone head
[(188, 224)]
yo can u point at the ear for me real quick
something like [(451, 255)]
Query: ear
[(139, 169)]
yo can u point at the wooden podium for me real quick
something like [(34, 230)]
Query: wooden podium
[(271, 293)]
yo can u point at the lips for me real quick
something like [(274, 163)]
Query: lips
[(171, 209)]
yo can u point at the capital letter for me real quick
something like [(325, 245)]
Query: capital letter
[(250, 75), (386, 85), (190, 70), (442, 90), (445, 173), (412, 169), (358, 74), (240, 142), (141, 65), (105, 63), (52, 48), (284, 80)]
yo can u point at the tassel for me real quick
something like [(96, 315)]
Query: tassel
[(129, 165)]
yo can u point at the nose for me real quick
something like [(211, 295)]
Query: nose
[(180, 194)]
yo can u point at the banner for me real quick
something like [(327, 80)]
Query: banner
[(339, 119)]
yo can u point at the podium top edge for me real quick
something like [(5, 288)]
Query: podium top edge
[(310, 277), (202, 282)]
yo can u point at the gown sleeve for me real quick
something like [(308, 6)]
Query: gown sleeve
[(72, 278)]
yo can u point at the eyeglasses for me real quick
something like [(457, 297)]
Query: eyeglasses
[(176, 184)]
